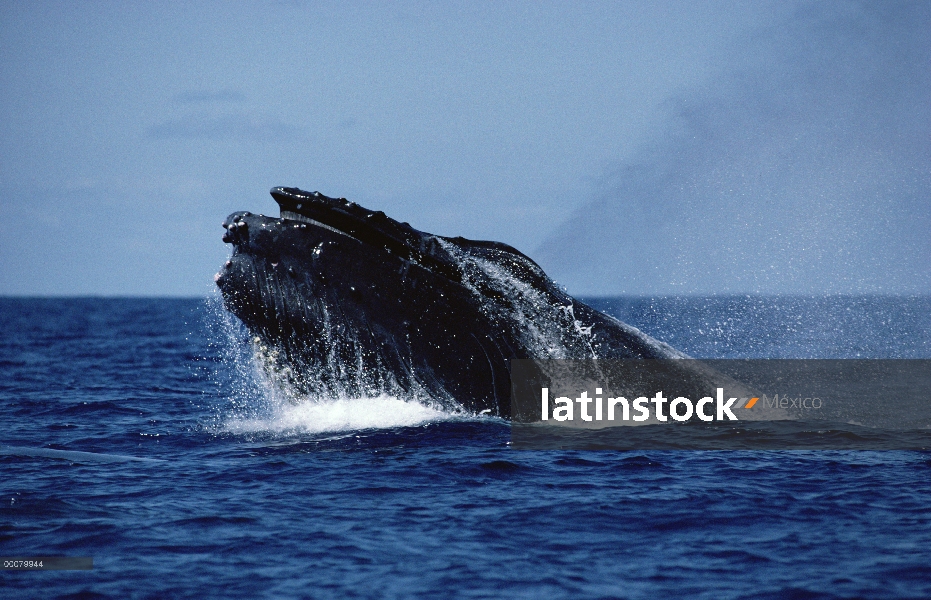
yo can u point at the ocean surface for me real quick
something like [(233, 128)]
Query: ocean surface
[(139, 432)]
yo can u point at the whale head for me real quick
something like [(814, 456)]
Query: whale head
[(343, 300)]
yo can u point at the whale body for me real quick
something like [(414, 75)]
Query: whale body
[(342, 300)]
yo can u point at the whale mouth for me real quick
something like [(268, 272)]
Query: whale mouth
[(342, 216), (370, 227)]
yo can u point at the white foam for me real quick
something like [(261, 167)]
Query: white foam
[(344, 414), (257, 403)]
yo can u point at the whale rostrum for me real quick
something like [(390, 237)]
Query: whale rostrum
[(342, 300)]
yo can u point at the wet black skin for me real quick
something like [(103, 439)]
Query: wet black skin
[(347, 300)]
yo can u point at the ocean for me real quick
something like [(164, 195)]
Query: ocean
[(141, 433)]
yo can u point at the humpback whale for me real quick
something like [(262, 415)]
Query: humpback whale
[(339, 299)]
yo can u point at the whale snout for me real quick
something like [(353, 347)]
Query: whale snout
[(236, 229)]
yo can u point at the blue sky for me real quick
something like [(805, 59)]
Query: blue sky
[(130, 131)]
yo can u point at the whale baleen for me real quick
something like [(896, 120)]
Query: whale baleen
[(342, 300)]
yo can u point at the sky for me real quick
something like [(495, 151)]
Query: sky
[(628, 147)]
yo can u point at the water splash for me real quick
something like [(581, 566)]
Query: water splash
[(256, 398), (547, 329), (338, 415)]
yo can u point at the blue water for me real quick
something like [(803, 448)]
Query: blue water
[(244, 495)]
